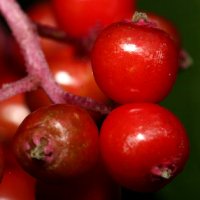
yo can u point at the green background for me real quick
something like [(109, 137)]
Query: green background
[(184, 100)]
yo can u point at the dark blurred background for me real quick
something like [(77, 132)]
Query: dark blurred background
[(184, 100)]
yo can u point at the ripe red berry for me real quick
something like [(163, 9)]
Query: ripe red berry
[(134, 63), (57, 142), (165, 25), (79, 18), (144, 146)]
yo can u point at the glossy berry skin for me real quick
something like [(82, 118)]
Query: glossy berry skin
[(79, 18), (57, 142), (166, 25), (144, 146), (134, 63)]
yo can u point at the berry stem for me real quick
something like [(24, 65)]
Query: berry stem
[(83, 45), (164, 170), (39, 151), (23, 85), (88, 103), (139, 16), (185, 60), (26, 35), (54, 33), (141, 19)]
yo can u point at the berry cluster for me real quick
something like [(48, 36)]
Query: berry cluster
[(90, 121)]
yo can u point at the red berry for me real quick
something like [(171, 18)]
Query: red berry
[(144, 146), (57, 142), (166, 25), (79, 18), (134, 63)]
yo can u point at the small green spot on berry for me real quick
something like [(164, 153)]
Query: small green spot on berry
[(166, 173)]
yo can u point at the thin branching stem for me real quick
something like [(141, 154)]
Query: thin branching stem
[(27, 37)]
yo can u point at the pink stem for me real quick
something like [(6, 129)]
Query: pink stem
[(24, 32), (26, 36), (82, 45), (54, 33), (23, 85), (88, 103)]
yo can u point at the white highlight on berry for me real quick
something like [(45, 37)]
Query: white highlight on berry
[(130, 48), (64, 78)]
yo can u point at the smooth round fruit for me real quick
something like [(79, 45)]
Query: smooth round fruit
[(166, 25), (135, 63), (144, 146), (57, 142), (79, 18)]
